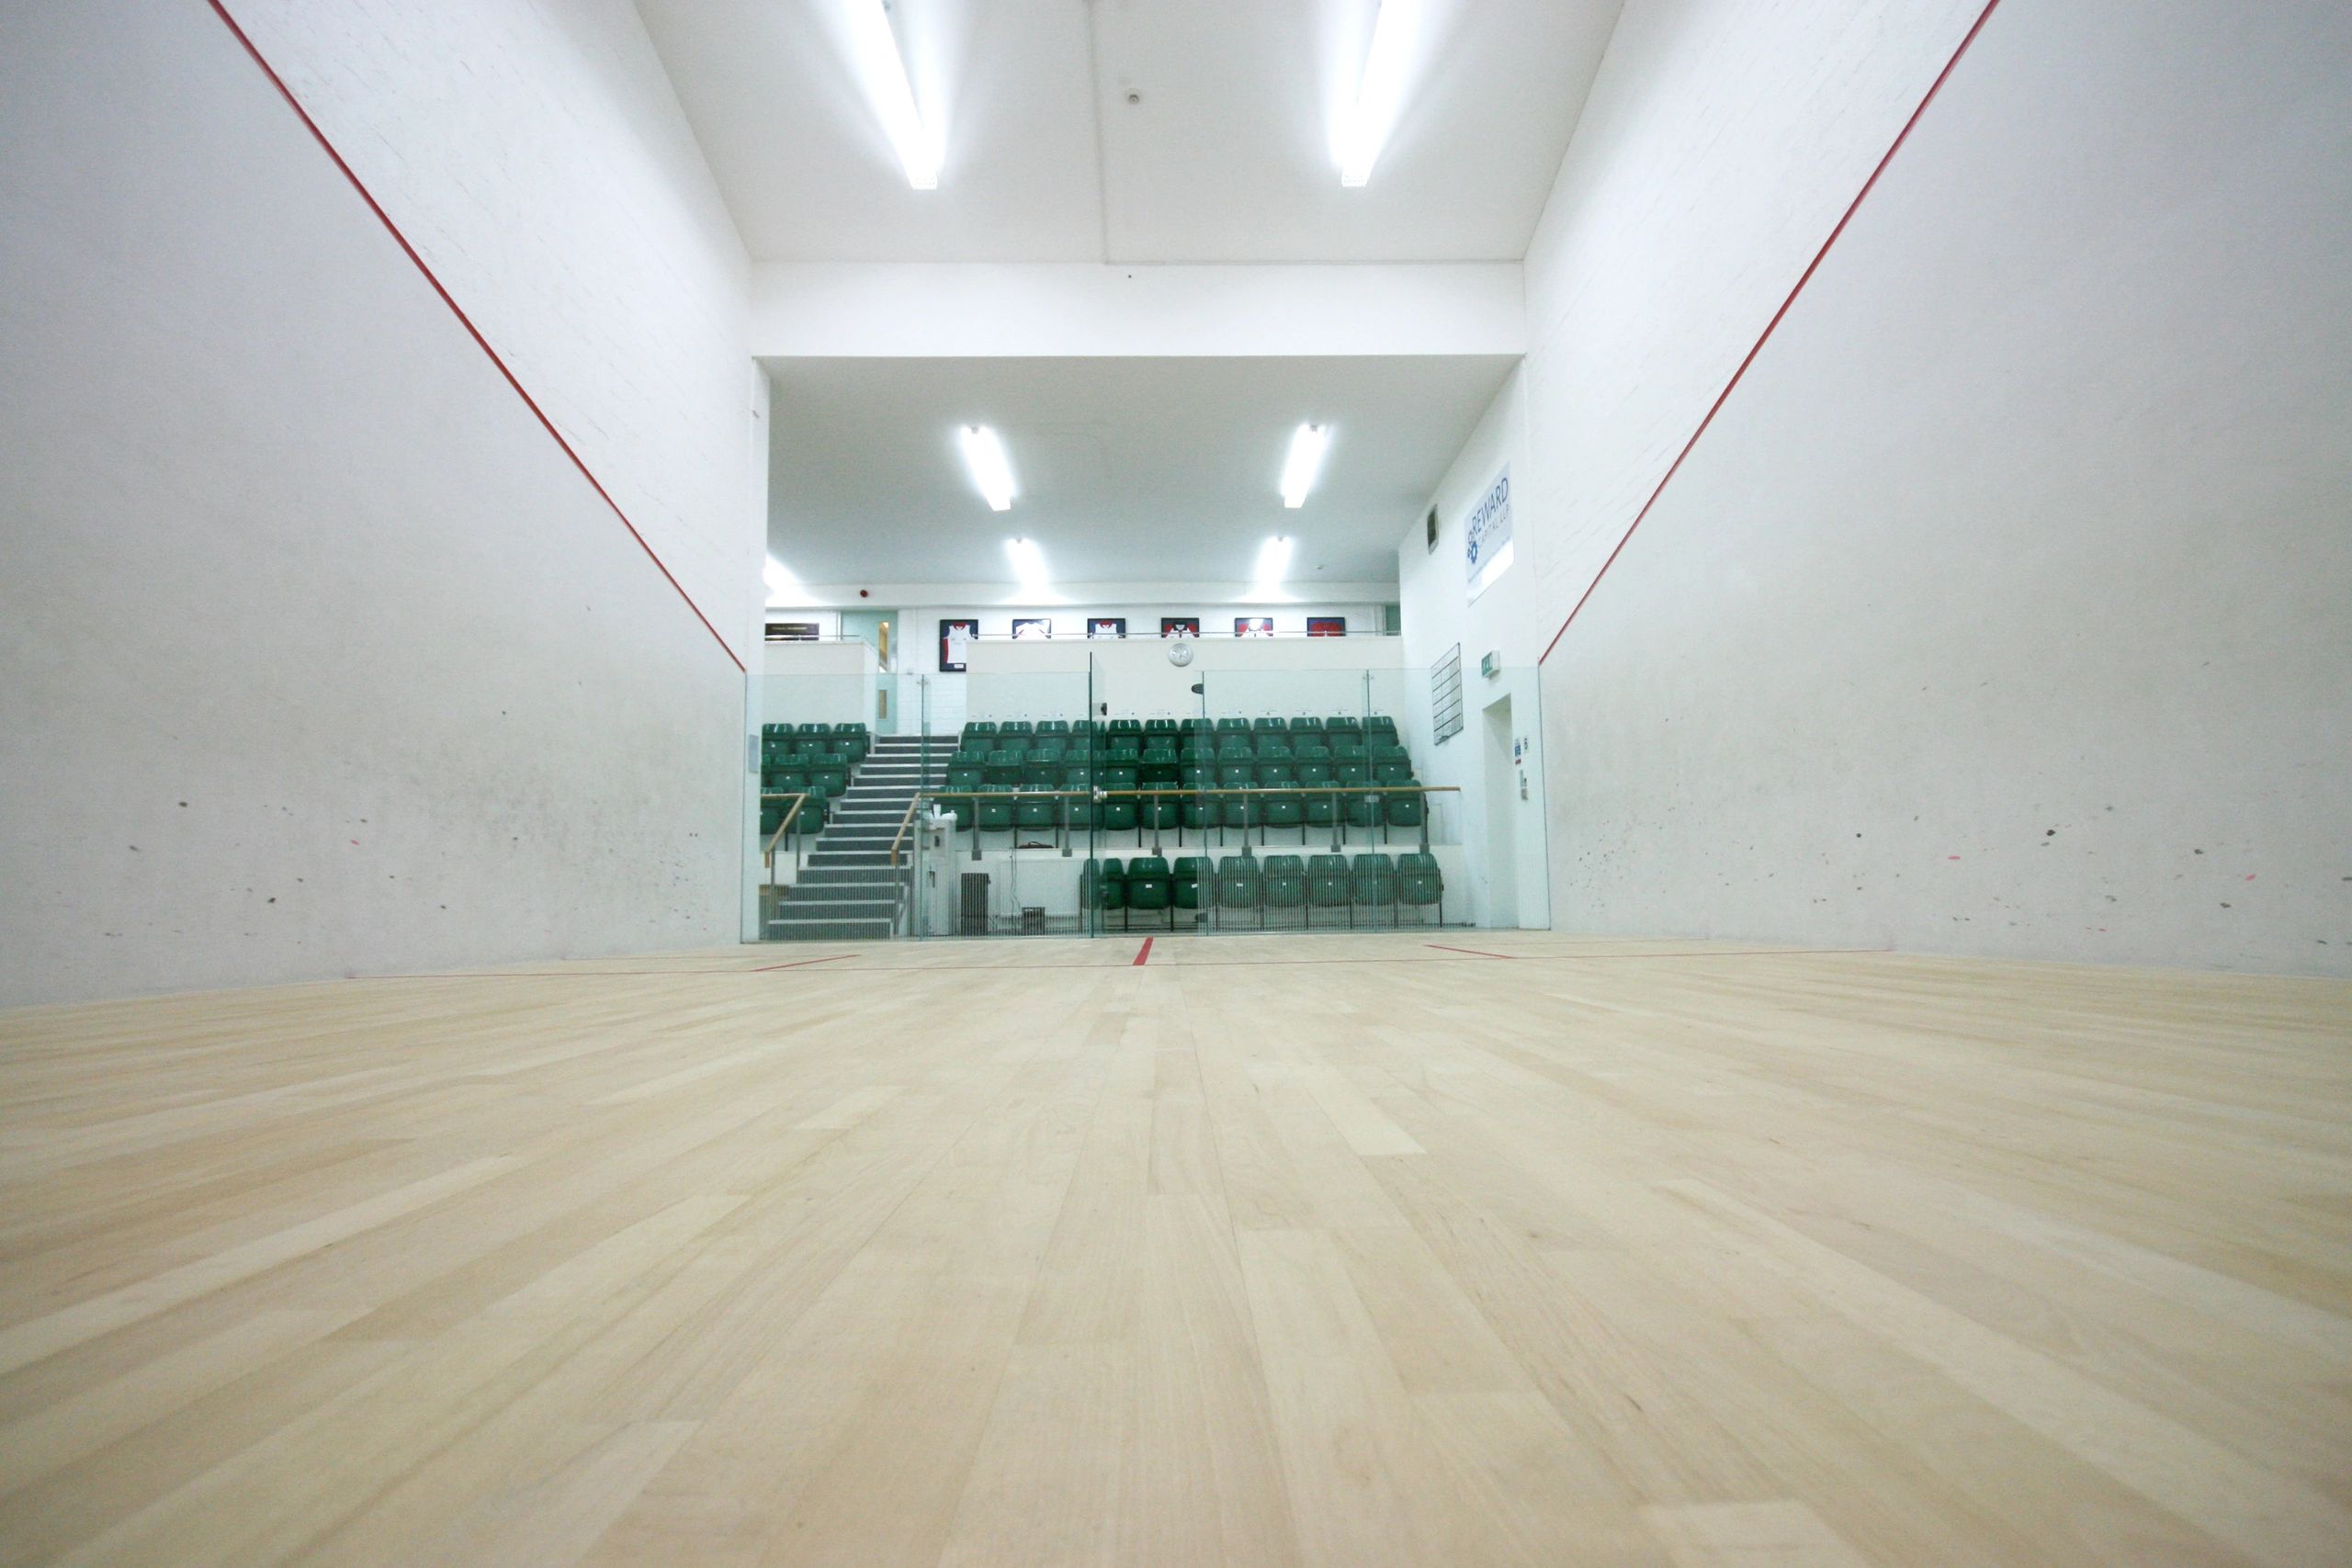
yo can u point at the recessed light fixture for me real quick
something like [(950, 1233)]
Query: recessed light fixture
[(991, 471), (1306, 461), (885, 69), (1028, 562), (1274, 563), (1380, 93)]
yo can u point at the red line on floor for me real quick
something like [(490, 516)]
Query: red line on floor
[(465, 320), (1474, 953), (802, 963), (1143, 953), (1770, 327)]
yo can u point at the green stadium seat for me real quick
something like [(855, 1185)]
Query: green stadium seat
[(1285, 883), (1328, 887), (1371, 882), (1343, 724), (1228, 725), (1406, 810), (994, 814), (1059, 726), (1185, 883), (1004, 767), (1101, 885), (1152, 727), (1149, 886), (1012, 726), (1419, 884), (1118, 815), (1240, 885), (1308, 726), (1037, 813), (1158, 812), (1082, 815), (1127, 726), (1262, 726)]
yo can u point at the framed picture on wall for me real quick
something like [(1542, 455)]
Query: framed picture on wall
[(1253, 626), (1037, 629), (1326, 626), (1107, 625), (955, 637), (1179, 626)]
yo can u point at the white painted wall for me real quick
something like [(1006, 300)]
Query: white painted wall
[(984, 310), (1439, 615), (2002, 608), (1240, 677), (320, 655), (953, 701), (537, 157)]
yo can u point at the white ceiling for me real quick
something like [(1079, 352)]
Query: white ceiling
[(1226, 158), (1158, 470)]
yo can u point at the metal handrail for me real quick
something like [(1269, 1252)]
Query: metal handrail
[(783, 827)]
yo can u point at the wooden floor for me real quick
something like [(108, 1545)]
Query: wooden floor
[(1344, 1250)]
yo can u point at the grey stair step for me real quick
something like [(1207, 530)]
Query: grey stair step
[(829, 931)]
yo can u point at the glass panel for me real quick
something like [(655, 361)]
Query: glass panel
[(821, 784), (1022, 840), (1344, 816)]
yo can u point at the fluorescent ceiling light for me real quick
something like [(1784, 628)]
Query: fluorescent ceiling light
[(991, 470), (1306, 461), (1028, 562), (1273, 562), (885, 69), (1380, 93)]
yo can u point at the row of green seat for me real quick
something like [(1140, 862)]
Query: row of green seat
[(810, 759), (1277, 882), (1148, 750), (1000, 807), (1393, 766), (1377, 724)]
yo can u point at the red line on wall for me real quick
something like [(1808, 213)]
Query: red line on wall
[(1770, 327), (1144, 952), (463, 319)]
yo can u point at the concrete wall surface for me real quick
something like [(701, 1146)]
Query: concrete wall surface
[(322, 656)]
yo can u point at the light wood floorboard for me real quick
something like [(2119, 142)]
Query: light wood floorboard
[(1345, 1250)]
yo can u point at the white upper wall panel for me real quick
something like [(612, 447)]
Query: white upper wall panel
[(1225, 155), (1081, 310)]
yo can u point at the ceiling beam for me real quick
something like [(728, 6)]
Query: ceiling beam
[(993, 310)]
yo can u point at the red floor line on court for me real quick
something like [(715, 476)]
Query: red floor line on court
[(1770, 327), (465, 320), (1474, 953), (804, 963), (1143, 953)]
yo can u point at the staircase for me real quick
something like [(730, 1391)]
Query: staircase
[(845, 891)]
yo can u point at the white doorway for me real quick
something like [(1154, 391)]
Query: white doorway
[(1502, 817)]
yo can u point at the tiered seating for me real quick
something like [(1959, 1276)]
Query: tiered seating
[(1304, 761), (1286, 884), (815, 760)]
